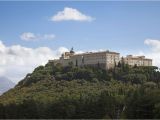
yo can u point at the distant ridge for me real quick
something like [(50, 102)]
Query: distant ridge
[(5, 84)]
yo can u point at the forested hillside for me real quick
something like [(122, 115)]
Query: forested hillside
[(53, 91)]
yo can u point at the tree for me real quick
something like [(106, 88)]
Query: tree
[(2, 111), (119, 64), (76, 63)]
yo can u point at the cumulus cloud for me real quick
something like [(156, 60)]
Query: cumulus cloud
[(154, 52), (155, 44), (16, 61), (28, 36), (71, 14)]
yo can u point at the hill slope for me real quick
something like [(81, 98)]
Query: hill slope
[(84, 92)]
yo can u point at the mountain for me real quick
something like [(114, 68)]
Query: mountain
[(5, 84), (72, 92)]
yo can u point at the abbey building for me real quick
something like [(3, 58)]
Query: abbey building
[(105, 59)]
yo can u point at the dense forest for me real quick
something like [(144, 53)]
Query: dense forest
[(72, 92)]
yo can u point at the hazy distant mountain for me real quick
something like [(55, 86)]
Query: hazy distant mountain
[(5, 84)]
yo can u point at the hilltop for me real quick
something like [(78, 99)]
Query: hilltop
[(54, 91)]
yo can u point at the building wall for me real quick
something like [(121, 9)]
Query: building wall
[(90, 59), (148, 62), (76, 59), (137, 60), (105, 60), (112, 59), (94, 58)]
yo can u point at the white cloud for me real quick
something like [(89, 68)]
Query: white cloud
[(16, 61), (28, 36), (154, 52), (71, 14), (155, 44), (49, 36)]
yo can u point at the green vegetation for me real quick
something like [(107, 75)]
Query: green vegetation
[(53, 91)]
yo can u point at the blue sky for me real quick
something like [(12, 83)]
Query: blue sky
[(33, 32), (117, 26)]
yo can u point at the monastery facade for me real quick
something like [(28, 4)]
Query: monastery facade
[(137, 60), (104, 59)]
